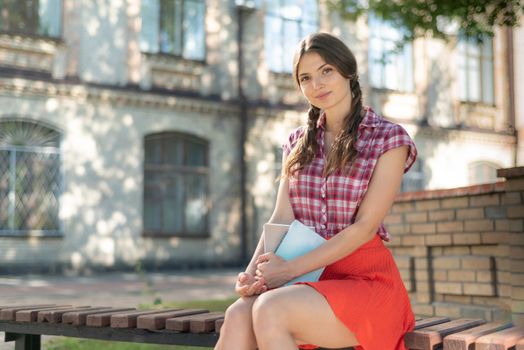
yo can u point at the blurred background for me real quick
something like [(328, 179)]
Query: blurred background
[(148, 133)]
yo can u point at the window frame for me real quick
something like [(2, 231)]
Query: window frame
[(481, 60), (34, 32), (402, 84), (276, 14), (36, 149), (157, 44), (174, 170)]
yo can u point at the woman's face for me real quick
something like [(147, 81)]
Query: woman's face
[(321, 83)]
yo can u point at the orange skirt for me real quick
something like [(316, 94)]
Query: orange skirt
[(367, 294)]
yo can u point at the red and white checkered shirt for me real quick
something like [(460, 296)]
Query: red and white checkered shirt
[(330, 204)]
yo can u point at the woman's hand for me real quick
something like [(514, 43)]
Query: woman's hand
[(248, 285), (273, 269)]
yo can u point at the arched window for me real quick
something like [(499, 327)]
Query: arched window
[(176, 194), (30, 179), (482, 172)]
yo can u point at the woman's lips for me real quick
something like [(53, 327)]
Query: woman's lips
[(322, 96)]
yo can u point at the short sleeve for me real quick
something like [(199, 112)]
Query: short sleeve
[(292, 140), (397, 136)]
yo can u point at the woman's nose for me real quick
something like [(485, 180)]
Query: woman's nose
[(317, 82)]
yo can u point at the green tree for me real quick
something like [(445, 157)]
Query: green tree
[(473, 18)]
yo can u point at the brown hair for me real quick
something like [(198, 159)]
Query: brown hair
[(343, 152)]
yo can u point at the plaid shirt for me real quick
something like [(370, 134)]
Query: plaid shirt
[(330, 204)]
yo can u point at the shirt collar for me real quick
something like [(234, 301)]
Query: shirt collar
[(371, 119)]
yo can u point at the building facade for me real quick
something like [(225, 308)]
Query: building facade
[(149, 132)]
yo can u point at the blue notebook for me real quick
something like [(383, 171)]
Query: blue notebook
[(299, 240)]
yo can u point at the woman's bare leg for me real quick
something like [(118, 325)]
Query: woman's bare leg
[(285, 317), (237, 330)]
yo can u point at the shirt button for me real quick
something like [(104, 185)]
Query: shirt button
[(323, 210), (323, 226)]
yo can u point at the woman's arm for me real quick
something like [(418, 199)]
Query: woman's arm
[(383, 187)]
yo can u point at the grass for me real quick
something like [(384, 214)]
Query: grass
[(87, 344)]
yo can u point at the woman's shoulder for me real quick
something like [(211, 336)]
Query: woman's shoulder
[(293, 138)]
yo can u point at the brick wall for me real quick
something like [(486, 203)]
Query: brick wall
[(461, 251)]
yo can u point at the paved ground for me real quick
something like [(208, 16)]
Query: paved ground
[(116, 289)]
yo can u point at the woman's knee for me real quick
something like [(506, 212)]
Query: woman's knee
[(268, 311), (239, 312)]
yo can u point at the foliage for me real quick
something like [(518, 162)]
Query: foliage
[(474, 18)]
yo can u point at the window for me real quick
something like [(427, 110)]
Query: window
[(176, 185), (482, 172), (175, 27), (389, 67), (30, 179), (414, 179), (31, 17), (286, 23), (476, 70)]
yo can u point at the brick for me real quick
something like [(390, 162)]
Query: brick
[(516, 252), (517, 266), (484, 276), (442, 215), (470, 213), (517, 293), (514, 225), (516, 211), (402, 229), (457, 250), (479, 289), (461, 276), (494, 237), (490, 250), (447, 310), (437, 251), (466, 238), (518, 320), (514, 185), (504, 290), (475, 312), (423, 298), (403, 262), (511, 198), (423, 309), (484, 200), (516, 239), (460, 202), (445, 263), (496, 212), (427, 204), (423, 228), (450, 226), (416, 217), (393, 219), (438, 240), (476, 262), (422, 275), (460, 299), (421, 263), (503, 277), (448, 287), (440, 275), (517, 306), (478, 225), (517, 279), (413, 240), (403, 207), (422, 286)]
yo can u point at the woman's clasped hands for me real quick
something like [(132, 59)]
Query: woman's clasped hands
[(273, 269)]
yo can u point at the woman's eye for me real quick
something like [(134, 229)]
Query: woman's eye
[(327, 70), (304, 79)]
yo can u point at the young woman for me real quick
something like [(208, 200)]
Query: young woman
[(341, 173)]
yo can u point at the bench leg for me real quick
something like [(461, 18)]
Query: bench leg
[(24, 341)]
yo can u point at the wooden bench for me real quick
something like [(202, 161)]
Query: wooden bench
[(25, 324)]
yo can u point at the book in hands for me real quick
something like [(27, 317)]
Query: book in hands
[(290, 242)]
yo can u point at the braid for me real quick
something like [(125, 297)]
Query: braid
[(307, 146)]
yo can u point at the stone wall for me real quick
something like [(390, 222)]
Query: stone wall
[(461, 251)]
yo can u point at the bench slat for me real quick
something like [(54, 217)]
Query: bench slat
[(431, 321), (55, 316), (8, 314), (158, 321), (32, 315), (463, 340), (129, 320), (501, 340), (218, 325), (183, 324), (78, 318), (205, 323), (104, 319), (427, 338)]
